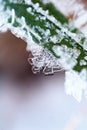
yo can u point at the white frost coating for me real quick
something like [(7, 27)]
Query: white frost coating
[(41, 58), (3, 19), (75, 85), (13, 16), (67, 60)]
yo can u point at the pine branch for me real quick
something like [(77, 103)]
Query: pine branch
[(44, 25)]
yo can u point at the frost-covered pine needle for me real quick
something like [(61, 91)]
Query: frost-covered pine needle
[(52, 39)]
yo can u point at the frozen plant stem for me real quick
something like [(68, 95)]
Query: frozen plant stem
[(41, 23)]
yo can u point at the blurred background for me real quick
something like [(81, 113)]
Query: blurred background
[(34, 102)]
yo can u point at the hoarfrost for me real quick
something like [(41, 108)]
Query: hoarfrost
[(75, 85)]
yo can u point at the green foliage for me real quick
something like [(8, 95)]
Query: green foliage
[(50, 29)]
